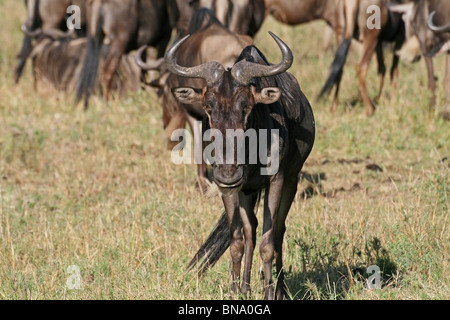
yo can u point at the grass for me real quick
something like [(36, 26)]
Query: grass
[(96, 189)]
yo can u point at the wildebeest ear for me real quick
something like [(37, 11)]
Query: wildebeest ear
[(267, 95), (188, 95)]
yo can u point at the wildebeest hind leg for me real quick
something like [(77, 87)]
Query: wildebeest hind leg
[(381, 68), (267, 246), (288, 195), (336, 98), (400, 41), (369, 45), (431, 81), (202, 178)]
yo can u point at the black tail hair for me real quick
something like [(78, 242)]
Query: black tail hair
[(217, 243), (337, 67), (89, 72), (213, 248), (25, 52)]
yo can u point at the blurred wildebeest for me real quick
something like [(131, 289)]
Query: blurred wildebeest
[(47, 17), (390, 28), (57, 65), (251, 95), (240, 16), (343, 17), (293, 12), (181, 13), (429, 21), (117, 27), (209, 41)]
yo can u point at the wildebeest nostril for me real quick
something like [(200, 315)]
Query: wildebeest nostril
[(228, 175)]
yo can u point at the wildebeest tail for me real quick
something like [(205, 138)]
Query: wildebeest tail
[(213, 248), (217, 243), (23, 55), (27, 48), (88, 78), (337, 67)]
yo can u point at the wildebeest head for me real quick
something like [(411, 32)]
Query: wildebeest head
[(428, 21), (228, 100)]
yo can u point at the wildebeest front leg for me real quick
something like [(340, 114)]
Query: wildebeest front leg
[(267, 246), (431, 81), (231, 203), (246, 208), (112, 62), (202, 178), (447, 80), (370, 43), (446, 110)]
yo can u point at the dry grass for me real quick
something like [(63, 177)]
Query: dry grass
[(97, 189)]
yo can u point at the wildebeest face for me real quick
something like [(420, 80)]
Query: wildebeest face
[(228, 106), (228, 100)]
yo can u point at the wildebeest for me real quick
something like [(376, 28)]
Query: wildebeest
[(47, 17), (182, 12), (429, 21), (293, 12), (240, 16), (390, 28), (209, 41), (117, 27), (251, 95), (57, 65), (347, 18)]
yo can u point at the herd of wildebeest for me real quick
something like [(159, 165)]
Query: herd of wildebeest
[(214, 73)]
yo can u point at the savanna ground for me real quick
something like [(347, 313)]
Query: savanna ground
[(97, 189)]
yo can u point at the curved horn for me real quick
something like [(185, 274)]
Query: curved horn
[(435, 28), (29, 33), (245, 71), (150, 65), (210, 71)]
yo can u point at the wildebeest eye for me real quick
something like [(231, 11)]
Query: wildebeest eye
[(207, 108)]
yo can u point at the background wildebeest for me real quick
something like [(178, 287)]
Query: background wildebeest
[(240, 16), (391, 29), (117, 27), (347, 18), (295, 12), (47, 17), (58, 64), (252, 95), (182, 12), (209, 41), (433, 33)]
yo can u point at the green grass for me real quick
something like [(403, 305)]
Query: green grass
[(97, 190)]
